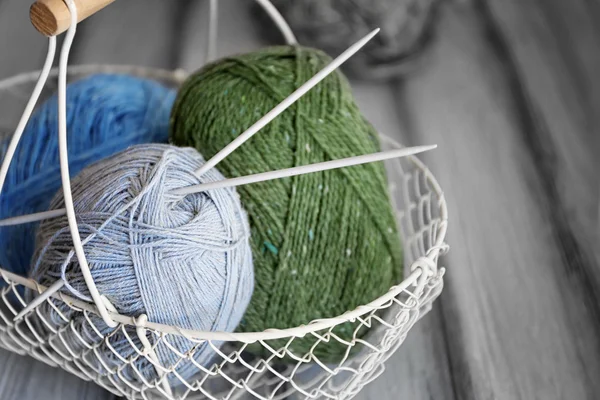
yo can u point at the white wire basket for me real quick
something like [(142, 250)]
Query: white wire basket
[(79, 343), (94, 342)]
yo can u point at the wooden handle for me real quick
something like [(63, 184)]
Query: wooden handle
[(52, 17)]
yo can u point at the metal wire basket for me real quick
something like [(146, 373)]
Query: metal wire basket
[(234, 373), (96, 343)]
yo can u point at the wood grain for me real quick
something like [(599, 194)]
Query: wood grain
[(516, 319), (52, 17), (23, 378), (552, 46), (420, 368)]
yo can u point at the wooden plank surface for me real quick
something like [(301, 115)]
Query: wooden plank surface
[(22, 378), (551, 46), (420, 368), (518, 324)]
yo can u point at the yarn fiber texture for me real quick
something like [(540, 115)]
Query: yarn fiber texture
[(334, 25), (323, 243), (105, 114), (183, 261)]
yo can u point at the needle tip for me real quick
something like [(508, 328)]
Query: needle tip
[(422, 149)]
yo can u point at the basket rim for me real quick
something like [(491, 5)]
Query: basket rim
[(177, 76)]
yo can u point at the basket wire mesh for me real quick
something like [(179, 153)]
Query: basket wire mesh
[(77, 340)]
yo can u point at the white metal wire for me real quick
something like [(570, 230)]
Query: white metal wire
[(279, 21), (37, 90)]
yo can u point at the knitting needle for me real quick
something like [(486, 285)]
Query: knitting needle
[(245, 180), (39, 299), (23, 219), (291, 99), (304, 169)]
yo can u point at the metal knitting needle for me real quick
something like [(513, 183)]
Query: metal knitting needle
[(245, 180), (39, 299), (304, 169), (23, 219), (281, 107)]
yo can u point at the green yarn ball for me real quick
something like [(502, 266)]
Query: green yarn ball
[(323, 243)]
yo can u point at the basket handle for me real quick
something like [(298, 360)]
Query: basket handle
[(52, 17)]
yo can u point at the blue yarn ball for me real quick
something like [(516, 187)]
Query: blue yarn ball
[(105, 114), (183, 261)]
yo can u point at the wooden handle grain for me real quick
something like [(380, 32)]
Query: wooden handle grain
[(52, 17)]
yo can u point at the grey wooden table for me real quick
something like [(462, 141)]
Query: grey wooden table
[(511, 95)]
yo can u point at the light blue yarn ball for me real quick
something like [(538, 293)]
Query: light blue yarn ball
[(183, 261), (105, 114)]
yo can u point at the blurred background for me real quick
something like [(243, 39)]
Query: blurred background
[(507, 89)]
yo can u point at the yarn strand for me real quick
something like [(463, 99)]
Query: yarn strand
[(305, 169)]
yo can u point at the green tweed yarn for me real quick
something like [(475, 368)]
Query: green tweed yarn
[(322, 243)]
